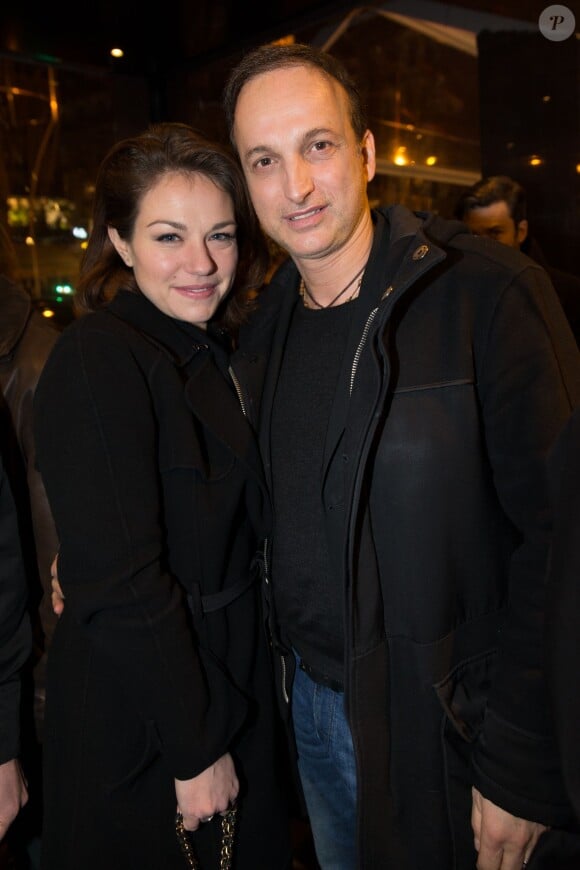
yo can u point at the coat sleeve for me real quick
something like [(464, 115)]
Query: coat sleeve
[(528, 383), (563, 608), (15, 634), (97, 448)]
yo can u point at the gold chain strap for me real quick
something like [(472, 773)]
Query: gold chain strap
[(227, 848)]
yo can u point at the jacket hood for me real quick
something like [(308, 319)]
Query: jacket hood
[(437, 229)]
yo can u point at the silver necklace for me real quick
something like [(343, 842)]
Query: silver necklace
[(305, 292)]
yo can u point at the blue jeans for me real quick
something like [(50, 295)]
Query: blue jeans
[(327, 771)]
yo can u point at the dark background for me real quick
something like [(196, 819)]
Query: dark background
[(178, 54)]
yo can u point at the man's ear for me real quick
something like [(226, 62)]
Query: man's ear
[(521, 232), (368, 152), (121, 246)]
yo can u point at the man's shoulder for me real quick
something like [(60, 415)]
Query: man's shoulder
[(474, 256)]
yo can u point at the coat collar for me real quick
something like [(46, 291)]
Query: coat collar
[(179, 340), (203, 359)]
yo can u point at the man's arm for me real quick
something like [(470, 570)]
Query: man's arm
[(15, 647), (529, 383)]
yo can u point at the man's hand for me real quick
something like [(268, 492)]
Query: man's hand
[(13, 794), (503, 841), (212, 791)]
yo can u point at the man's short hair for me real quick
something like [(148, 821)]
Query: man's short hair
[(267, 58), (495, 188)]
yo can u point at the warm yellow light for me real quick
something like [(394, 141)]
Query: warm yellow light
[(535, 160), (431, 160), (29, 241), (117, 52), (400, 157), (48, 313), (546, 98), (84, 245)]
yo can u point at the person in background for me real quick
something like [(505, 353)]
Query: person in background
[(15, 647), (496, 207), (26, 339), (408, 381), (159, 692)]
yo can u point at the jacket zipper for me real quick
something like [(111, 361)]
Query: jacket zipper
[(360, 348), (281, 655), (364, 337), (238, 390)]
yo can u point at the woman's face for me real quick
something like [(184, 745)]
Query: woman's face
[(183, 251)]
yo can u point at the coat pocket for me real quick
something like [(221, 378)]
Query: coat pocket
[(147, 752), (463, 693)]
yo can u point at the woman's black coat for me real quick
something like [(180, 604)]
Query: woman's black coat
[(156, 488)]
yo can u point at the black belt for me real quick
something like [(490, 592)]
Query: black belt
[(320, 678), (217, 600)]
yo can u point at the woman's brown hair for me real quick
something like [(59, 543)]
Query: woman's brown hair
[(130, 169)]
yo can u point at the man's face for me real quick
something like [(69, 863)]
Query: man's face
[(306, 171), (495, 222)]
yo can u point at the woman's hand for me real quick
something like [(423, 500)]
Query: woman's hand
[(13, 793), (57, 596), (213, 791)]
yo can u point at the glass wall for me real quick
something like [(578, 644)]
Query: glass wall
[(420, 81), (56, 123)]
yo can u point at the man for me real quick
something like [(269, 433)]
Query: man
[(26, 340), (15, 644), (410, 380), (496, 207)]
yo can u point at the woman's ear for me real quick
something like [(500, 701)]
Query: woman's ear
[(121, 246)]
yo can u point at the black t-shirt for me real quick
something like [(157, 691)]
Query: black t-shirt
[(307, 592)]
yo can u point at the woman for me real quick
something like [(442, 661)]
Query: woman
[(159, 692)]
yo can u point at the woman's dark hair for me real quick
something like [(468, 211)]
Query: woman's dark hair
[(129, 170), (267, 58)]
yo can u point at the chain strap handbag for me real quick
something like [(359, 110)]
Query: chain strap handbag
[(228, 823)]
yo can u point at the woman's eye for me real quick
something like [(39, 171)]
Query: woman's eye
[(168, 237), (224, 237)]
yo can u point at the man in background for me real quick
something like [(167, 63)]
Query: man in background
[(26, 339), (15, 644), (496, 207)]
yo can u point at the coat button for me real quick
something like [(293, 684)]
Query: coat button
[(420, 252)]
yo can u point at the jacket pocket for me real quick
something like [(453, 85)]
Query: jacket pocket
[(463, 693), (146, 755)]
